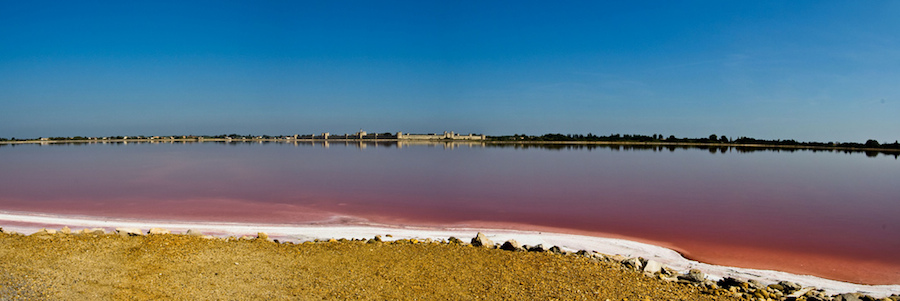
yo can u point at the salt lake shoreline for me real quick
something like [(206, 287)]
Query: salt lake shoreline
[(32, 222), (884, 151)]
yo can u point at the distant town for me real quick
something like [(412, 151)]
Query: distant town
[(655, 139), (361, 135)]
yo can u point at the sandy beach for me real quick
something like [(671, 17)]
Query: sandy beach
[(30, 223)]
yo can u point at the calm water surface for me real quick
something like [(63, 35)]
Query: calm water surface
[(822, 212)]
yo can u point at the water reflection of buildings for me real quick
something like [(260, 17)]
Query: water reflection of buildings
[(445, 136), (443, 144), (360, 144), (363, 135)]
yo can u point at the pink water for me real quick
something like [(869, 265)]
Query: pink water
[(829, 214)]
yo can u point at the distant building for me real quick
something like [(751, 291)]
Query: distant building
[(444, 136)]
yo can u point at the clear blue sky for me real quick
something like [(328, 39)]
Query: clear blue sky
[(805, 70)]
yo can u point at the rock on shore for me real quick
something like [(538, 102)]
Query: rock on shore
[(481, 241)]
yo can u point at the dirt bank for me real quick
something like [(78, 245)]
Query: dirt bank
[(181, 267)]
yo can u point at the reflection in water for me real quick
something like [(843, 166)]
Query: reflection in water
[(363, 144), (713, 149)]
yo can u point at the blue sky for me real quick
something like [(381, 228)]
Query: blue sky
[(805, 70)]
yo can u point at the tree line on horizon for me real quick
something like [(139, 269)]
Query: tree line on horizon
[(712, 139)]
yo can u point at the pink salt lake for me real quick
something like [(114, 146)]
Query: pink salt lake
[(833, 215)]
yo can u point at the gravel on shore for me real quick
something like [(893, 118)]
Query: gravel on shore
[(85, 266)]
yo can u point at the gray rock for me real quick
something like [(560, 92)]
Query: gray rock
[(452, 240), (709, 284), (755, 284), (193, 232), (789, 287), (633, 263), (728, 282), (800, 292), (123, 231), (617, 258), (652, 267), (817, 295), (512, 245), (778, 295), (538, 248), (482, 241), (598, 256), (557, 250), (847, 297), (668, 271), (694, 275)]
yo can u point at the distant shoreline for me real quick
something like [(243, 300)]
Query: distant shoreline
[(448, 141)]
